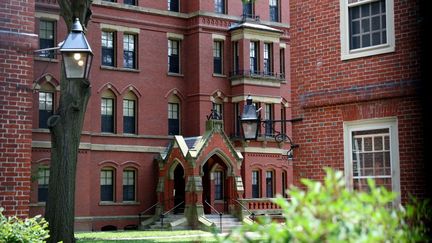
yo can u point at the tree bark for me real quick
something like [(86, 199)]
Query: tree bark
[(66, 127)]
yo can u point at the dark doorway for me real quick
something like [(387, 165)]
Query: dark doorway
[(179, 189), (215, 187)]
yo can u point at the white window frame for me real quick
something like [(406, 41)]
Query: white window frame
[(372, 124), (346, 53)]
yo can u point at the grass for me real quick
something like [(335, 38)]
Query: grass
[(145, 236)]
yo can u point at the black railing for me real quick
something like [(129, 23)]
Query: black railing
[(219, 213), (145, 211), (251, 214), (246, 16), (256, 74), (162, 215)]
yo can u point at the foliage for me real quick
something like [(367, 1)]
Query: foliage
[(330, 212), (146, 236), (13, 229)]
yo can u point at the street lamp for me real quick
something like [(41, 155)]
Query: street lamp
[(77, 54), (249, 120)]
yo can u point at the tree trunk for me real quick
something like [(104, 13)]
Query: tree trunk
[(66, 129)]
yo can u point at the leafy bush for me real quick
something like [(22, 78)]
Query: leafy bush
[(13, 229), (329, 212)]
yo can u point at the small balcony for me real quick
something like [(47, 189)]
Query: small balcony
[(256, 78)]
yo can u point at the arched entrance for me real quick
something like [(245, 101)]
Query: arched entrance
[(216, 189), (179, 188)]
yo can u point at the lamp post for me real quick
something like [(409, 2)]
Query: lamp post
[(251, 120), (77, 54)]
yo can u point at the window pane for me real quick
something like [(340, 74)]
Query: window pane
[(371, 157), (106, 185)]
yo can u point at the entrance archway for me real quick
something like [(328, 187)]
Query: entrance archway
[(216, 189), (179, 188)]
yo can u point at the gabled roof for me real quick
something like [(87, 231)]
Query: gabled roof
[(193, 146)]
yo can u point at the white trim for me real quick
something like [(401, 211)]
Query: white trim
[(47, 16), (346, 53), (370, 124), (119, 28), (174, 36), (218, 37)]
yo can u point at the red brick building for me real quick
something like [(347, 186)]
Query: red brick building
[(17, 38), (349, 69)]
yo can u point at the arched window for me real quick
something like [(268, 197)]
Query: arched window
[(129, 182), (107, 184), (46, 104), (43, 181), (218, 107), (256, 185), (270, 184), (174, 115), (107, 111), (129, 113)]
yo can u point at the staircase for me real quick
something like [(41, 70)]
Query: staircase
[(171, 222), (229, 222)]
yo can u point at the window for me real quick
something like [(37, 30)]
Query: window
[(236, 120), (129, 2), (107, 185), (218, 185), (255, 184), (236, 64), (367, 28), (173, 119), (46, 108), (284, 184), (269, 184), (129, 53), (218, 107), (173, 56), (219, 6), (282, 62), (129, 119), (268, 117), (43, 181), (248, 10), (371, 151), (274, 10), (173, 5), (129, 185), (108, 48), (107, 115), (217, 57), (253, 57), (268, 56), (46, 37)]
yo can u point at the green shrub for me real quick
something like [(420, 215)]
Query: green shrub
[(13, 229), (330, 212)]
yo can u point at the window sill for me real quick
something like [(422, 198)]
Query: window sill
[(46, 59), (119, 69), (175, 74), (126, 203), (217, 75), (41, 130)]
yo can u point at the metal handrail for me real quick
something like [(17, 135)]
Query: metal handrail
[(162, 215), (176, 206), (245, 208), (220, 214)]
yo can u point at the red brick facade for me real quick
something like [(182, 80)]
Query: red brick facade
[(328, 91), (17, 40)]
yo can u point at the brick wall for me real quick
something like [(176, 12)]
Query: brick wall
[(328, 91), (17, 40)]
